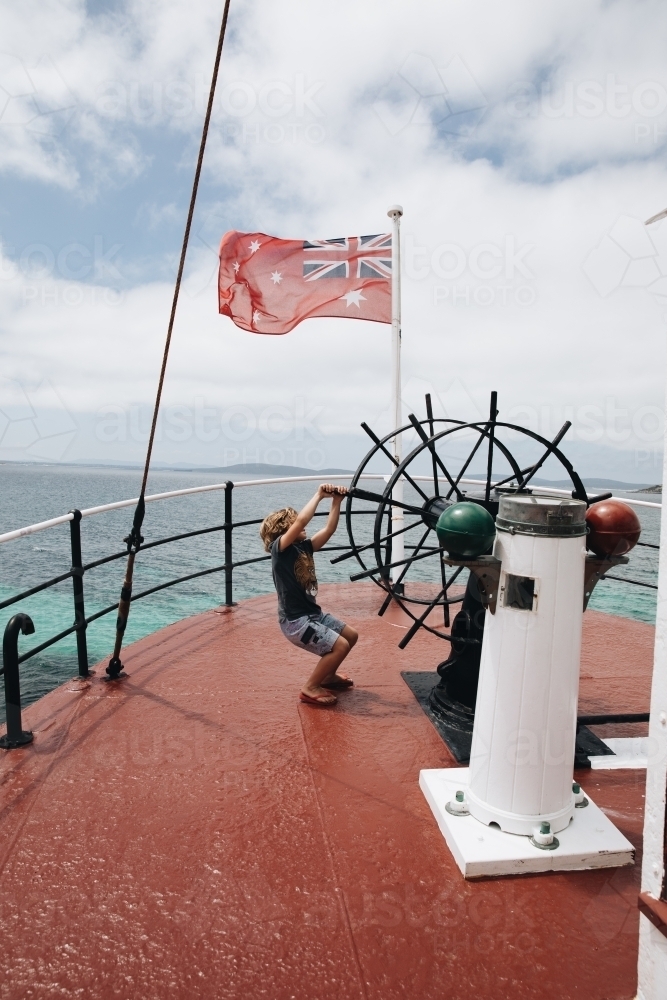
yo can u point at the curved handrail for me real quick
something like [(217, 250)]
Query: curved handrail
[(32, 529)]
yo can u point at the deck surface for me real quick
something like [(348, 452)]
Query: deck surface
[(194, 832)]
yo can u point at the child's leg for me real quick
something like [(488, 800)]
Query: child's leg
[(351, 635), (327, 666)]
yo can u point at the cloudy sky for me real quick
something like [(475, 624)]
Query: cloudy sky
[(526, 143)]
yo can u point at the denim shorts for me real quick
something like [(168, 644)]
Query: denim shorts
[(316, 634)]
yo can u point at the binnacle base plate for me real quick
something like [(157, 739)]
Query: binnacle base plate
[(590, 841)]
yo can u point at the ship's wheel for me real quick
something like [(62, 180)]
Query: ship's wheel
[(433, 476)]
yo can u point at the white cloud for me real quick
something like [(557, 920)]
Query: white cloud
[(346, 111), (561, 84)]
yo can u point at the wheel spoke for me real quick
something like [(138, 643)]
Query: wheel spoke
[(443, 575), (509, 479), (467, 463), (400, 562), (554, 444), (457, 572), (376, 440), (413, 556), (414, 628), (436, 458), (493, 413), (394, 460), (517, 473), (385, 604), (370, 545), (446, 585), (388, 547), (379, 499), (431, 427), (415, 485), (532, 469)]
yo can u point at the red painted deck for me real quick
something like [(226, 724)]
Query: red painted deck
[(195, 832)]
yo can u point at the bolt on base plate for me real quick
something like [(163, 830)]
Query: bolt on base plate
[(553, 845)]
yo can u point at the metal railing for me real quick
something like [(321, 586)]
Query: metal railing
[(78, 569), (15, 736)]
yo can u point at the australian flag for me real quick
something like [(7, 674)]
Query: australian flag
[(269, 285)]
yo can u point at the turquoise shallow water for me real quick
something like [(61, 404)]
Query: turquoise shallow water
[(33, 493), (624, 599)]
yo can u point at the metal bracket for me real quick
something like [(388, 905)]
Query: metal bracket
[(595, 569), (486, 570)]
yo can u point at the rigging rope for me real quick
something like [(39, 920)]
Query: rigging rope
[(134, 539)]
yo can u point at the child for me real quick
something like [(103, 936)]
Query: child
[(301, 618)]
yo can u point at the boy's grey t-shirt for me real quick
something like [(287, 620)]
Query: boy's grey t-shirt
[(296, 583)]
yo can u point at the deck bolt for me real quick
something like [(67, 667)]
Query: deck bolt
[(580, 800), (544, 838), (457, 806)]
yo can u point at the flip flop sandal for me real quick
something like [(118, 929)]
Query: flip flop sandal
[(324, 701), (339, 684)]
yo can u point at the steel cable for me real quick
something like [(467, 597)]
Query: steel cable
[(134, 539)]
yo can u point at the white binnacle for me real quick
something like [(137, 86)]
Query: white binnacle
[(522, 754)]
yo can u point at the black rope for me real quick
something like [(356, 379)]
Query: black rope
[(134, 539)]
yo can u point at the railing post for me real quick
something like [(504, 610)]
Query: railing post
[(77, 586), (15, 737), (229, 556)]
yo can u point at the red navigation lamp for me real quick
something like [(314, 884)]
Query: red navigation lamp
[(613, 528)]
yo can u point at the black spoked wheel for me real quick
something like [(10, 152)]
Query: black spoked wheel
[(436, 473)]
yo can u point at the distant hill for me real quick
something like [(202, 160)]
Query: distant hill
[(649, 489), (594, 483), (274, 471), (251, 469)]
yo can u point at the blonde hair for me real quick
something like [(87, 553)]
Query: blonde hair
[(276, 524)]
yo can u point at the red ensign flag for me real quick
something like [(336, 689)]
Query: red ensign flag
[(268, 285)]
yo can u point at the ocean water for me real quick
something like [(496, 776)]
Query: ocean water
[(31, 493)]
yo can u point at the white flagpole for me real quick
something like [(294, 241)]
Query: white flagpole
[(653, 943), (397, 548)]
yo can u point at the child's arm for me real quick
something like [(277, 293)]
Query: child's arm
[(320, 538), (305, 515)]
